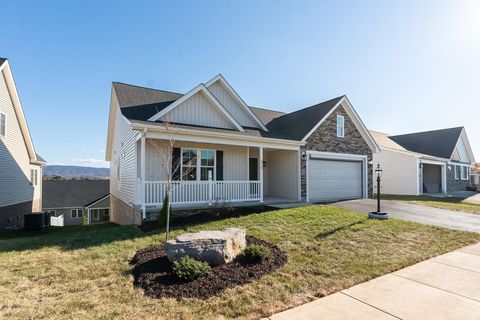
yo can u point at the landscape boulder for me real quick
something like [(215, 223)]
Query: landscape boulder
[(214, 247)]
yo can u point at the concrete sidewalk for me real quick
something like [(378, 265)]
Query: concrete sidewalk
[(444, 287)]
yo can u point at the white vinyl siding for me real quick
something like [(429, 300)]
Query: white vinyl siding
[(235, 164), (123, 151), (233, 107), (15, 165), (281, 172), (198, 110), (400, 172)]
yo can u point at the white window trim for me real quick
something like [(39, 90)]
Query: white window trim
[(34, 177), (199, 165), (464, 173), (76, 215), (5, 133), (340, 129)]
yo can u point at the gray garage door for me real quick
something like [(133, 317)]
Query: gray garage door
[(331, 180)]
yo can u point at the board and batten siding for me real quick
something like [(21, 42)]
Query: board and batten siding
[(198, 110), (235, 159), (123, 155), (15, 186), (400, 172), (281, 172), (232, 106)]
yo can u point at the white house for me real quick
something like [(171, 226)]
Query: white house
[(20, 166), (432, 162), (230, 152)]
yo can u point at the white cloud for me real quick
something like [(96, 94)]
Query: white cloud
[(91, 162)]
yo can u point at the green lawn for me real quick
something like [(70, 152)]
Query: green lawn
[(83, 272), (454, 204)]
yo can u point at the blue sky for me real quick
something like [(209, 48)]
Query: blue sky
[(405, 65)]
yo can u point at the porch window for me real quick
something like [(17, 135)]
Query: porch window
[(464, 173), (207, 164), (198, 164), (457, 172), (340, 126), (189, 164)]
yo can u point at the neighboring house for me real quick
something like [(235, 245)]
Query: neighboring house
[(433, 162), (77, 201), (230, 152), (20, 166)]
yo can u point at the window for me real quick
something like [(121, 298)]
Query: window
[(340, 126), (96, 214), (207, 164), (77, 213), (189, 164), (34, 177), (198, 164), (464, 173), (3, 124), (457, 172)]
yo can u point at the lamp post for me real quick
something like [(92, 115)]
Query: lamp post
[(379, 214), (378, 173)]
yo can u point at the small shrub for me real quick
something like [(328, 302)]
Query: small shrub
[(255, 253), (162, 215), (190, 269)]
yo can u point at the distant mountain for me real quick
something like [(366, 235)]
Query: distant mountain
[(69, 172)]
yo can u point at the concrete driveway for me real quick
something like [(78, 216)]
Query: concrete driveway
[(417, 213), (445, 287)]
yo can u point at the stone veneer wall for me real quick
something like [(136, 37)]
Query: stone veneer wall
[(455, 185), (325, 139), (122, 213), (12, 216)]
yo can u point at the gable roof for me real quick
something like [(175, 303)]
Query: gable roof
[(296, 125), (11, 87), (384, 141), (438, 143), (220, 79), (201, 88), (73, 193), (266, 115)]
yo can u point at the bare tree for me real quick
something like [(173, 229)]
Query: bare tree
[(170, 166)]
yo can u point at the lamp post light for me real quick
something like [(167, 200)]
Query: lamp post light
[(379, 214)]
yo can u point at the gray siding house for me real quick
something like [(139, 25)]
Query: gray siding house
[(230, 152), (20, 166), (77, 201)]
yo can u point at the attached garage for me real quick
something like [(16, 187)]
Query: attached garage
[(333, 179)]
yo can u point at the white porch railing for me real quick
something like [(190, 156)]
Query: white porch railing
[(56, 221), (201, 192)]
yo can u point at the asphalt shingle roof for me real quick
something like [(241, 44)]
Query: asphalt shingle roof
[(437, 143), (2, 60), (266, 115), (129, 95), (296, 125), (73, 193), (139, 104), (40, 158)]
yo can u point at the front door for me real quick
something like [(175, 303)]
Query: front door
[(253, 167)]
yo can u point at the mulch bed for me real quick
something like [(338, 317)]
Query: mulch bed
[(153, 273)]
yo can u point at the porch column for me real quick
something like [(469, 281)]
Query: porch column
[(142, 173), (260, 151)]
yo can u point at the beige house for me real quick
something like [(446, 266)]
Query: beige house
[(20, 166), (229, 152), (431, 162)]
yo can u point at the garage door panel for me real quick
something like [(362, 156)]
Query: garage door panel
[(334, 180)]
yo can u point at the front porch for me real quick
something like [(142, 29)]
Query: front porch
[(216, 175)]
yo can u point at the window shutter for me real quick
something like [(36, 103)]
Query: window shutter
[(176, 163), (219, 165)]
